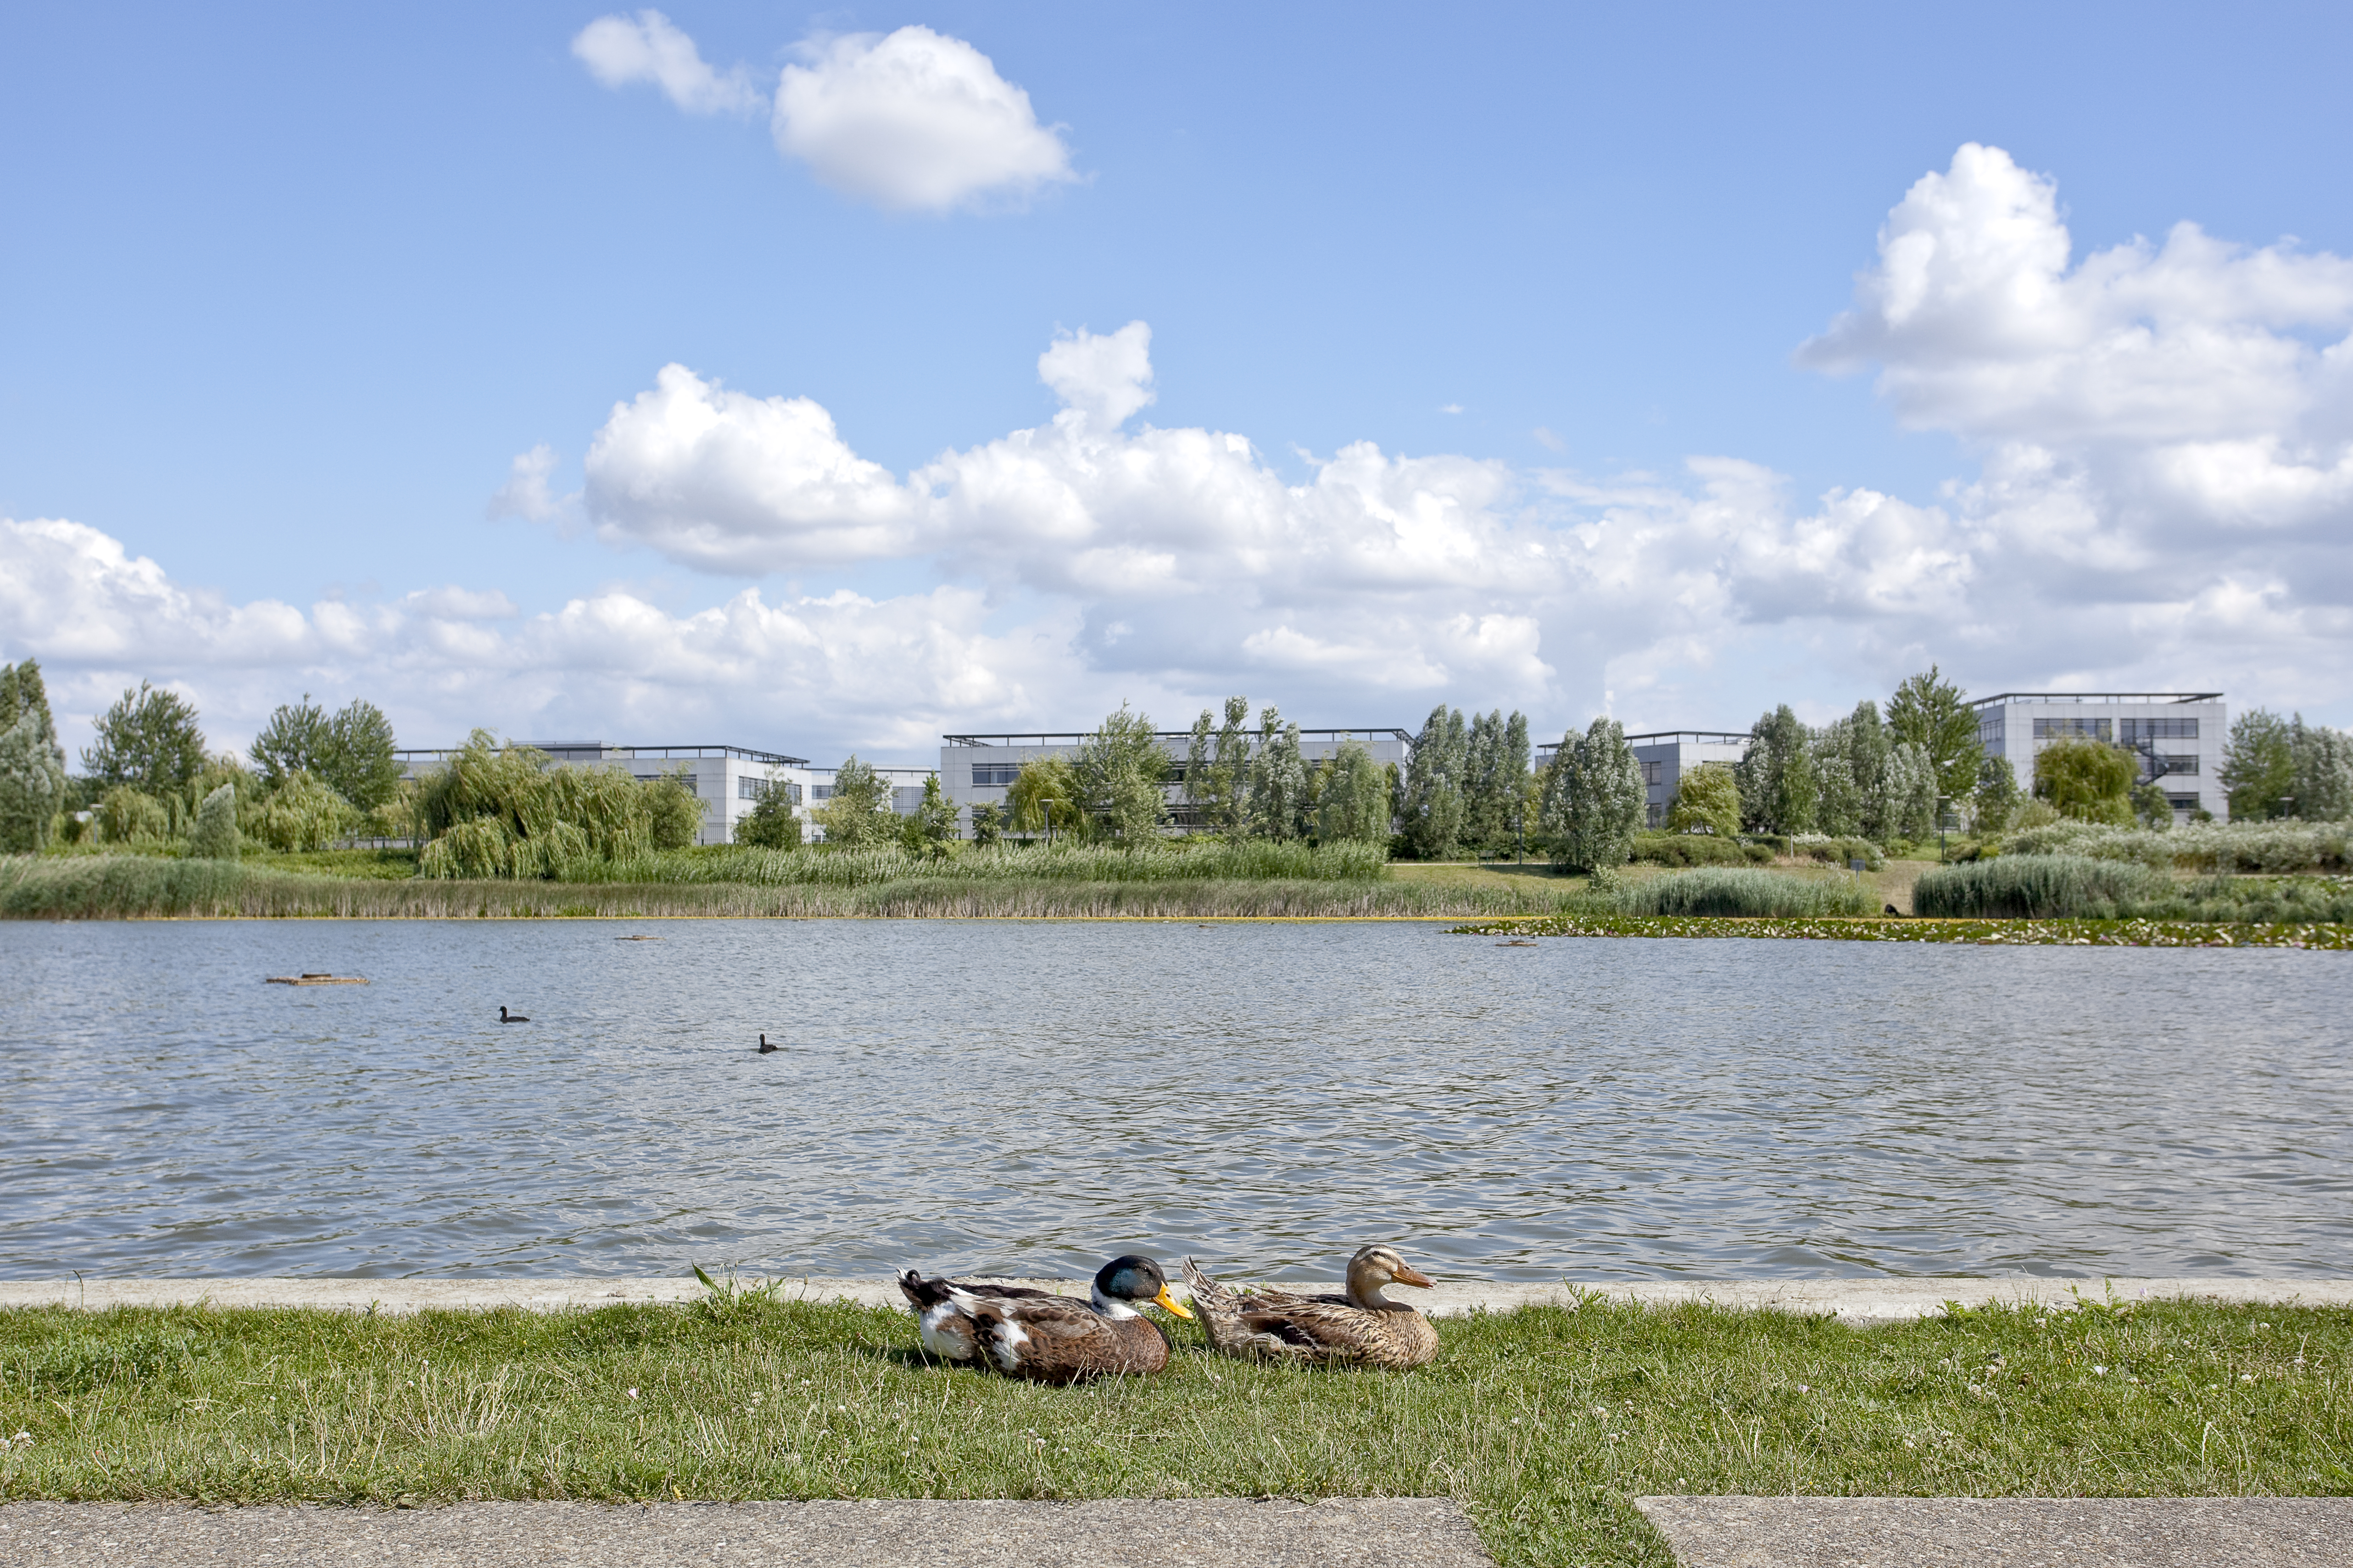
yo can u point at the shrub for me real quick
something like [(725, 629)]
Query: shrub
[(1838, 851), (1721, 892), (2269, 848), (772, 823), (125, 816), (1698, 849), (2036, 887)]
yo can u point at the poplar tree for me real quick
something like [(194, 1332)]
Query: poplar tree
[(1278, 785), (214, 836), (1431, 805), (1777, 788), (1594, 800), (32, 764)]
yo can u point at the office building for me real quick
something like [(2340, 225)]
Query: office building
[(2179, 736)]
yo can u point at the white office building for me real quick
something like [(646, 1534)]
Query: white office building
[(728, 780), (977, 770), (2179, 735), (906, 786), (1665, 756)]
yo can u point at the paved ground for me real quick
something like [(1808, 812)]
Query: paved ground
[(2005, 1533), (1854, 1301), (1231, 1532)]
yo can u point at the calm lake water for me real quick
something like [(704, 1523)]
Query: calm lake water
[(1032, 1097)]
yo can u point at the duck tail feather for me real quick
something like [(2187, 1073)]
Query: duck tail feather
[(1213, 1296)]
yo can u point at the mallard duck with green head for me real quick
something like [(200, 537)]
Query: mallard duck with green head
[(1363, 1328), (1045, 1338)]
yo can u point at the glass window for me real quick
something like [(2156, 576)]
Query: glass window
[(2178, 764), (2066, 729), (1654, 773), (994, 775), (2159, 729)]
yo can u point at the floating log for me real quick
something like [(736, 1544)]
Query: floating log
[(316, 980)]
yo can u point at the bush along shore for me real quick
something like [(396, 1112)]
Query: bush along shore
[(1544, 1423), (1985, 932)]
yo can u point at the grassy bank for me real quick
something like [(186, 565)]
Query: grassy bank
[(1986, 932), (137, 887), (2020, 887), (1543, 1423)]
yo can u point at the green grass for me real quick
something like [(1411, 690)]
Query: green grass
[(1543, 1423), (1171, 860)]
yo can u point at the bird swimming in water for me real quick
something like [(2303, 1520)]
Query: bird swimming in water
[(1043, 1337), (506, 1017), (766, 1047)]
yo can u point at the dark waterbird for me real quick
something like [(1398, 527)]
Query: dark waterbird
[(506, 1017), (766, 1047)]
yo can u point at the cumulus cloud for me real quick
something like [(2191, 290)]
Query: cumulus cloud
[(914, 121), (2123, 526), (525, 494), (622, 51)]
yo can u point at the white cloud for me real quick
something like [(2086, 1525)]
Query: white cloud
[(1103, 378), (621, 50), (525, 494), (913, 121), (2128, 529)]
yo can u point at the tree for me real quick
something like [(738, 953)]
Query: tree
[(860, 810), (215, 837), (2323, 785), (149, 740), (1707, 800), (1044, 797), (772, 822), (932, 825), (1908, 791), (1594, 800), (1354, 804), (302, 813), (2259, 765), (1778, 789), (2150, 808), (1929, 712), (987, 824), (1120, 771), (1496, 775), (1217, 768), (1996, 796), (351, 752), (2088, 780), (32, 764), (1432, 806), (1280, 802)]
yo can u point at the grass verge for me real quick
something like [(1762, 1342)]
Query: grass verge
[(1543, 1423), (1989, 932)]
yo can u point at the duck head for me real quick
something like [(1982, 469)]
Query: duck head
[(1379, 1264), (1125, 1280)]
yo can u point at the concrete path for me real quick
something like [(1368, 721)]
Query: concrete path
[(1858, 1301), (1424, 1532), (2005, 1533)]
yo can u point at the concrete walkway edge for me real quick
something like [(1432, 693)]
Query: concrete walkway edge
[(1857, 1301)]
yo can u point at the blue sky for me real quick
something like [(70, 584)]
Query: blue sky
[(290, 288)]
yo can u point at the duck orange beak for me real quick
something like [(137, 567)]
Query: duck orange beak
[(1408, 1274), (1168, 1303)]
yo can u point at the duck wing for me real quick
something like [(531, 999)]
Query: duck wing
[(1059, 1339), (946, 1328), (1323, 1330)]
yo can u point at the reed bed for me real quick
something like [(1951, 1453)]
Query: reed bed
[(1721, 890), (136, 886), (2263, 848), (2036, 887), (1163, 862)]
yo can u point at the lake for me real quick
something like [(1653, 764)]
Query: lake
[(1032, 1096)]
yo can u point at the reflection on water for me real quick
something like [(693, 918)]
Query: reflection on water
[(1032, 1096)]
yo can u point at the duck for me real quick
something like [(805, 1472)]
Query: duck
[(506, 1017), (1363, 1328), (766, 1047), (1042, 1337)]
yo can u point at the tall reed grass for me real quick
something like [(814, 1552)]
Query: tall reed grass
[(2269, 848), (2036, 887), (100, 887), (1250, 860), (1723, 890)]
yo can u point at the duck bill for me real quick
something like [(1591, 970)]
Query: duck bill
[(1406, 1275), (1169, 1303)]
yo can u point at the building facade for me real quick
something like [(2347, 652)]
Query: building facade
[(906, 793), (977, 770), (728, 780), (2179, 736), (1665, 756)]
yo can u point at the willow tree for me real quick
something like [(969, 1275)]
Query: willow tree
[(1044, 797), (1707, 800), (1120, 771), (2088, 780)]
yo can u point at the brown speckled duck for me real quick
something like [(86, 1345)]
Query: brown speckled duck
[(1043, 1337), (1363, 1328)]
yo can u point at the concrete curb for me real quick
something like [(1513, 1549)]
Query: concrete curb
[(1856, 1302)]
